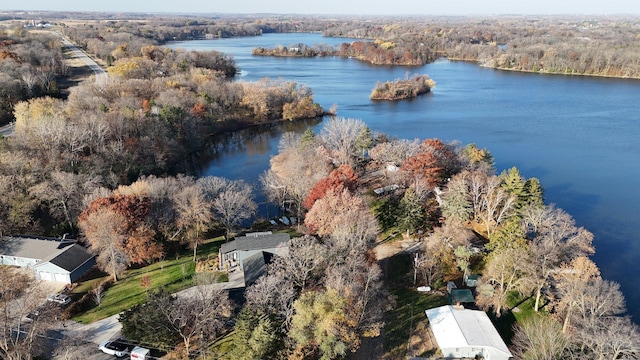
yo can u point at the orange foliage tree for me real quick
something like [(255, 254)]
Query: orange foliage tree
[(341, 178), (126, 238), (433, 162)]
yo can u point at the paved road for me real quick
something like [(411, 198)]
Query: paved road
[(100, 75)]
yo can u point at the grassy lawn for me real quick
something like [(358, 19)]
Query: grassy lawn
[(171, 275), (409, 309)]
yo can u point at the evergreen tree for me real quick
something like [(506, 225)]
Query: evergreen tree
[(514, 183), (534, 192), (148, 324), (364, 140), (308, 137), (256, 336), (410, 213)]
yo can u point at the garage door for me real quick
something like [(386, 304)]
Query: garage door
[(46, 276), (61, 278)]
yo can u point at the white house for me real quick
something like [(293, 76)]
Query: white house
[(464, 333), (51, 259)]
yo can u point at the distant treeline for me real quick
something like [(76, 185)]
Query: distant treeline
[(374, 52)]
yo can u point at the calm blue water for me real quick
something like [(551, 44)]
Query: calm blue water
[(578, 135)]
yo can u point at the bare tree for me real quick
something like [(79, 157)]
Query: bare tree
[(504, 273), (234, 205), (64, 192), (306, 261), (20, 295), (194, 215), (340, 136), (539, 338), (615, 338), (273, 294), (496, 203), (556, 241), (199, 317)]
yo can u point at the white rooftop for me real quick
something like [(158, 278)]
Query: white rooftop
[(455, 327)]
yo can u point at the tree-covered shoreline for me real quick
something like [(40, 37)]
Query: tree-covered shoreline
[(107, 165)]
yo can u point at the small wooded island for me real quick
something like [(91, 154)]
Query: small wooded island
[(403, 89)]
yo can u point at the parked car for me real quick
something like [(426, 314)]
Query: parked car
[(59, 298), (116, 348)]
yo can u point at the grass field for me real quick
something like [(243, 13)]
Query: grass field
[(410, 306), (171, 275)]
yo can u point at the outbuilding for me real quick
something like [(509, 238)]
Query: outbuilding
[(463, 333)]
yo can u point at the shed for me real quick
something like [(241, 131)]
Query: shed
[(464, 333), (471, 280), (461, 296)]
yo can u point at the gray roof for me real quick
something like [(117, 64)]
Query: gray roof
[(255, 266), (70, 258), (253, 242), (38, 248)]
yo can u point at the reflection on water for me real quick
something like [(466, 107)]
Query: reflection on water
[(578, 135)]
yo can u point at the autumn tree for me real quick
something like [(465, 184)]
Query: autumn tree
[(571, 281), (117, 232), (504, 273), (103, 230), (293, 172), (355, 229), (424, 165), (341, 178), (321, 324)]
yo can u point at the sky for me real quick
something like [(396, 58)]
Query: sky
[(346, 7)]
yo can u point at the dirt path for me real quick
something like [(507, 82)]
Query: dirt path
[(373, 348)]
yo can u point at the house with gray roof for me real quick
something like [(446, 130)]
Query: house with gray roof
[(251, 253), (234, 252), (52, 259)]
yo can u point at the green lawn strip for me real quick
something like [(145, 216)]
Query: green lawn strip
[(171, 275), (409, 309), (505, 323)]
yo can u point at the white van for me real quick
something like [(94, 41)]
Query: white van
[(139, 353)]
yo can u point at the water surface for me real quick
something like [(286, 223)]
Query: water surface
[(578, 135)]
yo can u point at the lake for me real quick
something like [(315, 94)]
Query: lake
[(578, 135)]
